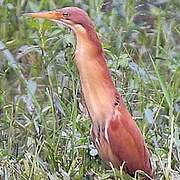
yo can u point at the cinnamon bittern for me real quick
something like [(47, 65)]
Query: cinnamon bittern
[(114, 132)]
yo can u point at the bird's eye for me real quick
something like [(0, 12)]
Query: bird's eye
[(65, 14)]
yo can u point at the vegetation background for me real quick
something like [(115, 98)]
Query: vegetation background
[(44, 126)]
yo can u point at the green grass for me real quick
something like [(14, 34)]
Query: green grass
[(44, 126)]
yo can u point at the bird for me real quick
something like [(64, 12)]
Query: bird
[(114, 132)]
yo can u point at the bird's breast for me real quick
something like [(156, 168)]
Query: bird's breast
[(97, 86)]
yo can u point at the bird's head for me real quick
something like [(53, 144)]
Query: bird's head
[(72, 17), (75, 18)]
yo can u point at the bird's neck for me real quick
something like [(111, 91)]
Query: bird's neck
[(96, 82), (87, 40)]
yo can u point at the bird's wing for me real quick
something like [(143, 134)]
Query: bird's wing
[(127, 142)]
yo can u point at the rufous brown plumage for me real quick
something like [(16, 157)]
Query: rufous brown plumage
[(114, 132)]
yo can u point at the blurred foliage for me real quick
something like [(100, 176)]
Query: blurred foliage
[(44, 126)]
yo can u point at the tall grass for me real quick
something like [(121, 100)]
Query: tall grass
[(44, 125)]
